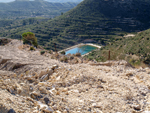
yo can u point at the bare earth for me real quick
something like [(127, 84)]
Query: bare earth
[(32, 83)]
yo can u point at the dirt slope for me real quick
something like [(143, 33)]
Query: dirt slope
[(32, 83)]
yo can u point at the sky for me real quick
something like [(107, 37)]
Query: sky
[(6, 0)]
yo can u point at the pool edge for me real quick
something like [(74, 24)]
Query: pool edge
[(82, 44)]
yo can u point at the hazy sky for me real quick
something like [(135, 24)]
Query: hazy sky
[(6, 0)]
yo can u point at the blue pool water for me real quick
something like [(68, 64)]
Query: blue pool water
[(82, 49)]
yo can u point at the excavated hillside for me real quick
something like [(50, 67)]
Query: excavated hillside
[(33, 83)]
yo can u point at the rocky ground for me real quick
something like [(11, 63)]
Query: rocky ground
[(33, 83)]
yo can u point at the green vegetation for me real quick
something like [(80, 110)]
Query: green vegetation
[(29, 38), (135, 50), (25, 9), (22, 16), (32, 48), (100, 20), (64, 59), (63, 52), (42, 52)]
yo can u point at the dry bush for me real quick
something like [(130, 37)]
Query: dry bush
[(78, 54), (75, 60), (64, 59), (32, 48), (56, 55), (71, 57)]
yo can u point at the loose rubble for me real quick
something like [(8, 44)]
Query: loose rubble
[(32, 83)]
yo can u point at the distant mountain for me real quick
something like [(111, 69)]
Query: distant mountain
[(58, 1), (63, 1), (100, 20), (26, 9)]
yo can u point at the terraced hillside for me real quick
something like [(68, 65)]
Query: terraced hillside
[(135, 49), (96, 19)]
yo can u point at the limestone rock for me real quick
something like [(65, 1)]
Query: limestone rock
[(137, 107), (57, 111), (34, 95), (100, 86), (96, 105), (44, 77), (65, 111), (48, 110), (42, 83), (50, 71), (54, 67), (129, 74), (29, 78), (65, 90), (19, 90), (43, 90), (44, 107), (43, 87), (44, 72), (10, 89), (146, 112), (30, 99)]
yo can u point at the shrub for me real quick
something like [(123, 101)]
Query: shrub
[(134, 62), (29, 38), (32, 48), (101, 59), (71, 57), (42, 52), (50, 52), (64, 59), (90, 58), (56, 55), (78, 54), (63, 52)]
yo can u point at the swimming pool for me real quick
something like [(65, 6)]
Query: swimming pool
[(82, 49)]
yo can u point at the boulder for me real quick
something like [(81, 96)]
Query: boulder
[(44, 77), (137, 107), (43, 90), (34, 95), (44, 107), (54, 67)]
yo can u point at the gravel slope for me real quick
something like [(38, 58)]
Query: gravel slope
[(32, 83)]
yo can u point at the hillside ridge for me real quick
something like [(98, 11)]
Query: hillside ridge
[(100, 20), (26, 9)]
